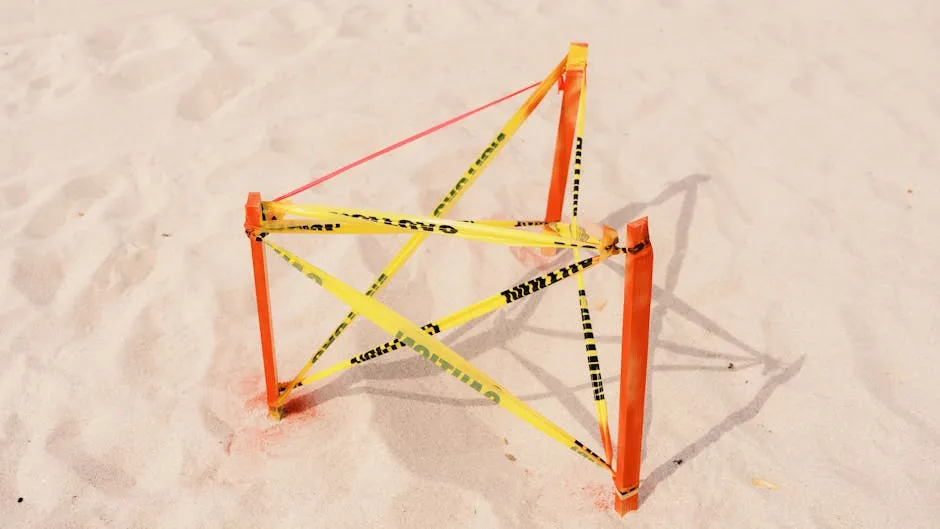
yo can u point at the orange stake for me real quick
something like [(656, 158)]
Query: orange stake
[(253, 216), (634, 343), (573, 81)]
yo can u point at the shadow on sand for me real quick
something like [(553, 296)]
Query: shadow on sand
[(406, 430)]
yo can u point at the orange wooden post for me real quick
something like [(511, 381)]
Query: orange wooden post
[(634, 344), (575, 69), (253, 216)]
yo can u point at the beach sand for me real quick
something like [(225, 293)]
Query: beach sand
[(784, 153)]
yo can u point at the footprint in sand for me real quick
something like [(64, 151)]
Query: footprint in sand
[(218, 84), (131, 263), (37, 78), (126, 266), (102, 473), (13, 441), (56, 75), (145, 71), (296, 140), (13, 196), (104, 46), (276, 32), (76, 195), (146, 56), (413, 21), (37, 275), (359, 22), (139, 366)]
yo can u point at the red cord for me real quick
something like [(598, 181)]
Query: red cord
[(403, 142)]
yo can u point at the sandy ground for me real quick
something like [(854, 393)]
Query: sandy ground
[(785, 153)]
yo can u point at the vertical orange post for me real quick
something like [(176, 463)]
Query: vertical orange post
[(637, 296), (575, 68), (253, 216)]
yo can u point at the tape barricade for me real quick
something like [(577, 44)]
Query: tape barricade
[(467, 314), (456, 192), (437, 353)]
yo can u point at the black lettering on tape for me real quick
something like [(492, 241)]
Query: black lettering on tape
[(422, 350), (470, 171)]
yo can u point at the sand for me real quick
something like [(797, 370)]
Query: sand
[(785, 154)]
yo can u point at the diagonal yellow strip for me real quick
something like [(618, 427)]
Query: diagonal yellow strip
[(590, 344), (464, 183), (469, 313), (437, 353)]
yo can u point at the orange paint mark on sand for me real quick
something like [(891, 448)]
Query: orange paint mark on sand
[(528, 256), (600, 495), (532, 257), (254, 440)]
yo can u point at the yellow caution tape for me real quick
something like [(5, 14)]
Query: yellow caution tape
[(590, 344), (464, 183), (346, 228), (373, 228), (456, 228), (437, 353), (472, 312)]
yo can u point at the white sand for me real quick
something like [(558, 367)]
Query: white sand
[(785, 153)]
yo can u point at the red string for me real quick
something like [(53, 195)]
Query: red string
[(403, 142)]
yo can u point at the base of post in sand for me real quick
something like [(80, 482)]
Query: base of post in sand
[(626, 501)]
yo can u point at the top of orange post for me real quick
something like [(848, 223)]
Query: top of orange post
[(638, 232), (577, 56), (252, 213)]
